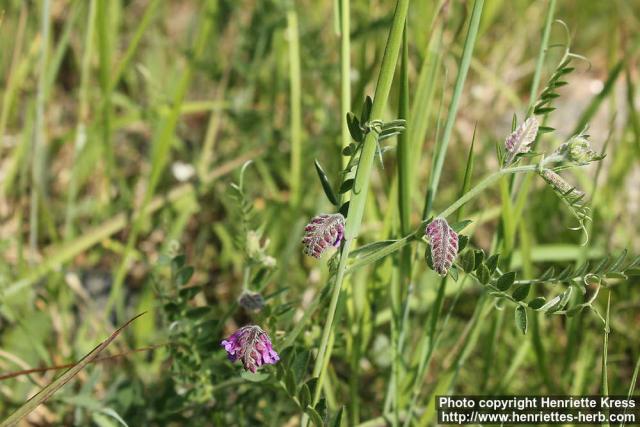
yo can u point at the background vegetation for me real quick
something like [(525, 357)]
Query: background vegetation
[(123, 124)]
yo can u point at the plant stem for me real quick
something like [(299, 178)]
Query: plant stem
[(361, 184), (471, 194), (486, 182), (533, 94), (455, 101), (345, 73), (38, 165), (402, 275), (295, 105)]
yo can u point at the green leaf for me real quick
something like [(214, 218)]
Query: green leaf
[(290, 382), (346, 186), (314, 416), (453, 272), (618, 261), (337, 420), (258, 377), (370, 248), (354, 127), (178, 262), (184, 275), (304, 396), (467, 261), (521, 318), (344, 209), (492, 262), (479, 255), (545, 129), (366, 109), (198, 312), (601, 266), (557, 303), (483, 274), (349, 150), (190, 292), (428, 258), (326, 185), (536, 303), (461, 225), (463, 241), (565, 274), (543, 110), (521, 292), (312, 384), (505, 281)]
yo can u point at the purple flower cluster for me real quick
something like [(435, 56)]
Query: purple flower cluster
[(252, 346), (323, 232), (444, 245)]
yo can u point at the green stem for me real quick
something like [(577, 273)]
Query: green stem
[(400, 281), (455, 101), (471, 194), (361, 184), (533, 94), (345, 73), (295, 105), (486, 182)]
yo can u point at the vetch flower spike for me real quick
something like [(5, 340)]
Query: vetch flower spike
[(444, 245), (323, 232), (252, 346), (521, 139)]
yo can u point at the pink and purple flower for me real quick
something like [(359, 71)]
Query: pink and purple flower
[(252, 346)]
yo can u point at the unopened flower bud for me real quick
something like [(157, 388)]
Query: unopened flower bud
[(251, 301), (444, 245), (323, 232), (578, 150)]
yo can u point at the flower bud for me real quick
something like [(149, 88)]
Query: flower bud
[(578, 150), (323, 232), (251, 301), (444, 245)]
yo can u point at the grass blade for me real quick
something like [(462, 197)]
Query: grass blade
[(49, 390), (439, 155)]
